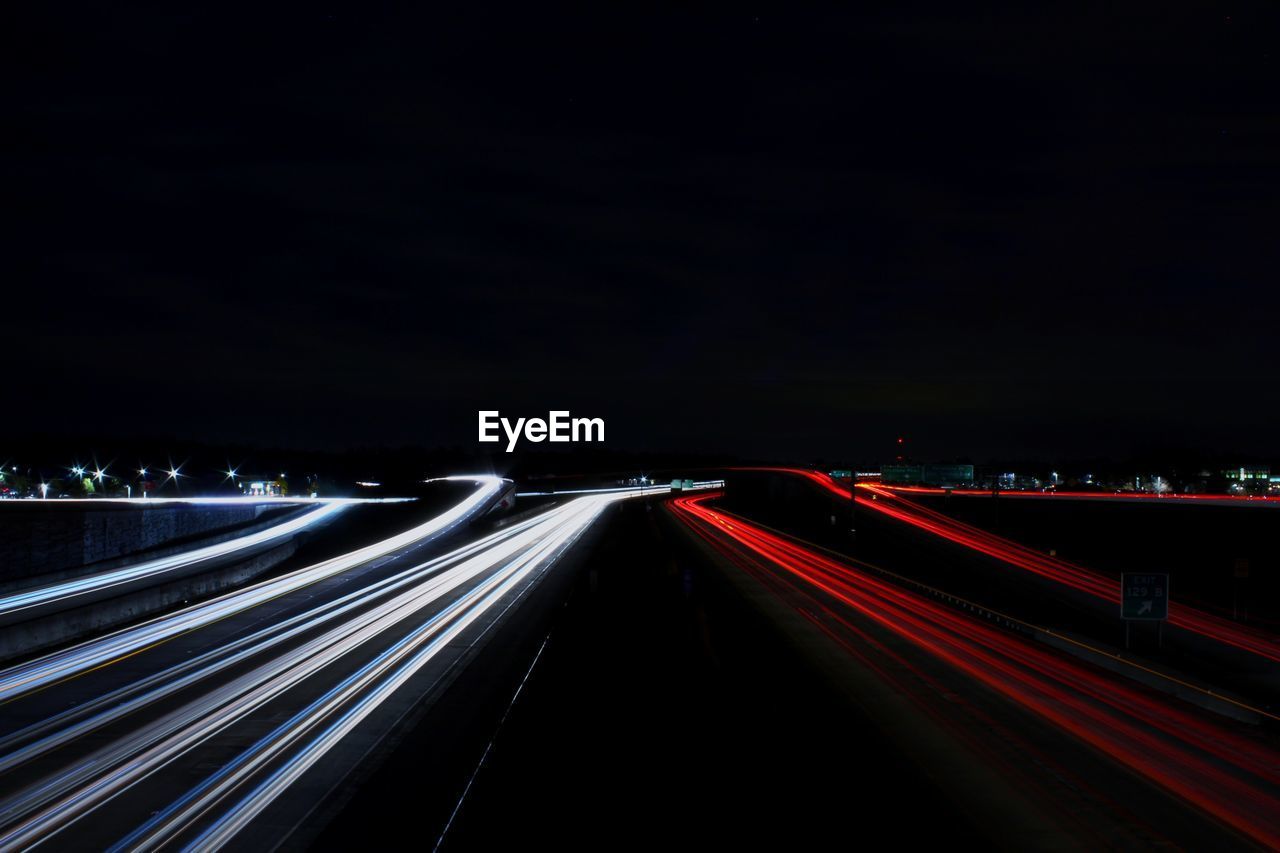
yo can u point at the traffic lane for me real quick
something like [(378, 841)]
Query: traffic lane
[(1050, 762)]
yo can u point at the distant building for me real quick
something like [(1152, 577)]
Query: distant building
[(1012, 481), (930, 474), (263, 488), (948, 475), (899, 474), (1248, 478)]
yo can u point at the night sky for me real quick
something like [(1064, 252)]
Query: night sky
[(999, 231)]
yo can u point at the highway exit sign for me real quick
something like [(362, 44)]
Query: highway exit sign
[(1144, 595)]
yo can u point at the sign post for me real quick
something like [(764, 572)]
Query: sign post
[(1144, 597), (853, 507)]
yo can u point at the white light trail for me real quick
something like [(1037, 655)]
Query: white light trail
[(413, 615), (251, 500), (57, 666), (69, 592), (639, 490)]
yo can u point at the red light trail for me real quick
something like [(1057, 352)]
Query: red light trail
[(1061, 493), (1228, 776), (1077, 577)]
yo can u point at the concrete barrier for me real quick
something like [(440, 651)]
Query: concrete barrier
[(46, 632), (45, 538)]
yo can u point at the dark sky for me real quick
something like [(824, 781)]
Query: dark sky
[(1000, 231)]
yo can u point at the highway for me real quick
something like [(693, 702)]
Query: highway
[(227, 722), (1069, 739)]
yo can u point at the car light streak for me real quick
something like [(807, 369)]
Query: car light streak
[(1077, 577), (399, 623), (238, 500), (69, 593), (58, 666), (1233, 778), (1067, 494), (395, 666), (68, 724)]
